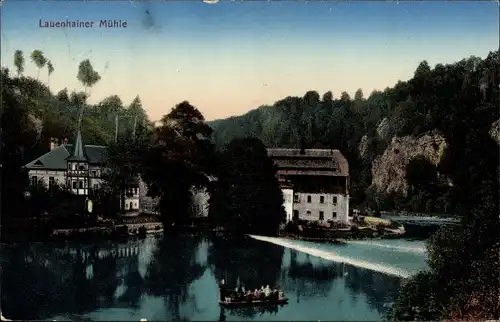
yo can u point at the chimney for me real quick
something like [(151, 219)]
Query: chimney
[(302, 146), (54, 143)]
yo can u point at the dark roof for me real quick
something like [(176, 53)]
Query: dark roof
[(310, 162), (55, 159)]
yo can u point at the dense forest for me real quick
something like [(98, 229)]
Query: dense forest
[(458, 102)]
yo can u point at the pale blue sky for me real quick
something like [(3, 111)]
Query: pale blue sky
[(231, 57)]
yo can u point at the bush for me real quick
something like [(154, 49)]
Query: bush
[(142, 231)]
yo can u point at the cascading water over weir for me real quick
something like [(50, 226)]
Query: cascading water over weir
[(408, 260)]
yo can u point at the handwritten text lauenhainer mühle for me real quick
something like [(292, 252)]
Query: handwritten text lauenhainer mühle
[(82, 24)]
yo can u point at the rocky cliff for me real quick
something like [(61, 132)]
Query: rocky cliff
[(389, 169), (495, 131)]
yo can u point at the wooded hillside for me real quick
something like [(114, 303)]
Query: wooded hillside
[(457, 102)]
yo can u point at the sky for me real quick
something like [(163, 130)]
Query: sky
[(233, 56)]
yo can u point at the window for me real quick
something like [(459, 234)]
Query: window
[(334, 214), (308, 199), (321, 215), (334, 200), (81, 167), (34, 180), (295, 198), (322, 199), (80, 184), (74, 184), (295, 215), (94, 173), (308, 212), (52, 182)]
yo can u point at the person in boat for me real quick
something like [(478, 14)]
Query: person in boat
[(241, 293), (267, 291), (262, 294), (222, 290), (274, 294), (256, 294)]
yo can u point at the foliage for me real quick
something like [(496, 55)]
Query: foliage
[(31, 115), (179, 157), (456, 100), (50, 69), (87, 75), (38, 58), (246, 196), (460, 101), (17, 132), (123, 166), (19, 62)]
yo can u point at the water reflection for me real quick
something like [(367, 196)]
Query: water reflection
[(175, 278), (234, 261), (172, 270), (245, 262), (379, 289)]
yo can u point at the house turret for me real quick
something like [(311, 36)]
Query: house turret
[(78, 168)]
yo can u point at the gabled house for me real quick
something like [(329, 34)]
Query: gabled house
[(315, 184), (78, 168)]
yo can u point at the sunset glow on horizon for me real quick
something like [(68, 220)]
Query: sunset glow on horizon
[(231, 57)]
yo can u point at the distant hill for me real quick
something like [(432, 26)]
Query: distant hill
[(452, 105)]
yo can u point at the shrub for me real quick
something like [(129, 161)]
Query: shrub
[(142, 231)]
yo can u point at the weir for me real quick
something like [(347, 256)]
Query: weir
[(418, 250), (334, 257)]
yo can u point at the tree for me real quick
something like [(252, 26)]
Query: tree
[(88, 77), (421, 175), (18, 134), (50, 70), (246, 197), (328, 97), (39, 60), (179, 158), (344, 97), (63, 96), (137, 112), (358, 96), (124, 164), (19, 62)]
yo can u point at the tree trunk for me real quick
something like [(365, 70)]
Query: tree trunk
[(38, 74)]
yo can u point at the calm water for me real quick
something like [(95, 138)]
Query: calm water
[(172, 278)]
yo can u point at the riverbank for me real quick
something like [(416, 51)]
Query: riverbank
[(122, 226), (360, 228), (46, 229)]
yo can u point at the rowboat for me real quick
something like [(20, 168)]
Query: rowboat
[(237, 304)]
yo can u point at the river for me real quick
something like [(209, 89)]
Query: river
[(175, 278)]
